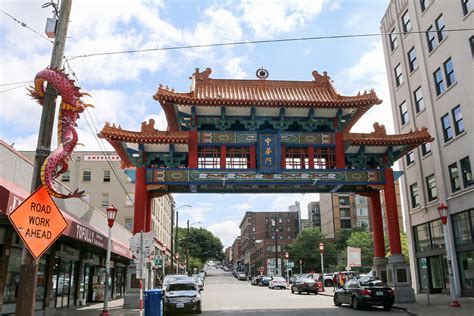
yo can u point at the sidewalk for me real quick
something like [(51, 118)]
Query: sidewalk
[(439, 305), (115, 309)]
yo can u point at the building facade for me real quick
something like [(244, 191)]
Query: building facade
[(346, 211), (264, 239), (72, 270), (430, 75), (314, 214)]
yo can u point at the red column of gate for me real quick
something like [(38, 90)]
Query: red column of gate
[(377, 224), (392, 214), (140, 200), (283, 157), (223, 156), (340, 155), (147, 211), (253, 157), (193, 149), (311, 157)]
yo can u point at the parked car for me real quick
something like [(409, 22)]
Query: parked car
[(241, 276), (182, 295), (365, 292), (199, 281), (172, 277), (277, 282), (255, 280), (264, 281), (304, 284)]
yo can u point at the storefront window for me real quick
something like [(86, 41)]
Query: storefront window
[(13, 276), (437, 235), (466, 264), (463, 229), (423, 271), (422, 237)]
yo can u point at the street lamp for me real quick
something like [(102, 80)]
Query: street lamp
[(321, 252), (187, 246), (175, 244), (111, 214), (444, 216)]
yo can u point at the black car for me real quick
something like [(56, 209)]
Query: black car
[(365, 292), (256, 279), (306, 285), (265, 281), (182, 295)]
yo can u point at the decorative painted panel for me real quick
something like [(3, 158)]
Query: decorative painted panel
[(197, 176), (212, 137)]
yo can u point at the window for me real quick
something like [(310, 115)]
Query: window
[(422, 237), (266, 221), (412, 59), (471, 43), (410, 158), (66, 177), (449, 72), (431, 38), (440, 26), (447, 129), (439, 83), (466, 172), (406, 22), (363, 223), (324, 158), (419, 103), (106, 175), (129, 199), (398, 75), (415, 199), (463, 230), (128, 224), (424, 4), (362, 211), (86, 175), (361, 200), (105, 199), (209, 158), (426, 149), (346, 223), (280, 220), (457, 118), (393, 40), (345, 212), (289, 237), (467, 6), (431, 187), (454, 177), (238, 157), (437, 234), (288, 220), (404, 113), (296, 158)]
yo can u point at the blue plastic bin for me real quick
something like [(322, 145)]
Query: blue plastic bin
[(154, 302)]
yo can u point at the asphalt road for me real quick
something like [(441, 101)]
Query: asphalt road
[(225, 295)]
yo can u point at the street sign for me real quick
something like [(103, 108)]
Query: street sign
[(38, 221), (142, 272), (423, 263), (291, 265), (148, 244)]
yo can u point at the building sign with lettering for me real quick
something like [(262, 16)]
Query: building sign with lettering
[(101, 157), (38, 221), (268, 152)]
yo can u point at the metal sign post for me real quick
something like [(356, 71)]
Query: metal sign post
[(142, 272)]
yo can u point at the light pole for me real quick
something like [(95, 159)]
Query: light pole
[(287, 268), (444, 216), (111, 213), (321, 252), (187, 245), (174, 245)]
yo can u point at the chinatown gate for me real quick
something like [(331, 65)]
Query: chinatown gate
[(269, 136)]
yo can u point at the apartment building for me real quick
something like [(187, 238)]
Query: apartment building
[(314, 214), (345, 211), (264, 237), (430, 73)]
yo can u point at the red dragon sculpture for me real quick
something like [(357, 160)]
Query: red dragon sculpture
[(71, 105)]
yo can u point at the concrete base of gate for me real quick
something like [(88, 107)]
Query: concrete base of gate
[(380, 268), (399, 278), (132, 298)]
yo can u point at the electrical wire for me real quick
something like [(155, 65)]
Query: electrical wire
[(25, 25), (14, 88), (14, 83), (295, 39), (99, 142)]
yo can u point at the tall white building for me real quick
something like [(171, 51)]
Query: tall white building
[(430, 72)]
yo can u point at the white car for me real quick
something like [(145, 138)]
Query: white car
[(277, 282)]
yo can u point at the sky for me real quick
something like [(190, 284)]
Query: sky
[(122, 85)]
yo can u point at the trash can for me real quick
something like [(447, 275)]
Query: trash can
[(154, 302)]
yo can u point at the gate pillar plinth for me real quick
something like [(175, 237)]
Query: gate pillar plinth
[(380, 268), (399, 278), (132, 299)]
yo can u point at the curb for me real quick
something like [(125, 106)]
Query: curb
[(406, 310)]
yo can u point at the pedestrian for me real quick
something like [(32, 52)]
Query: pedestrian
[(342, 280), (334, 282)]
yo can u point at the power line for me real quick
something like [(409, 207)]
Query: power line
[(14, 83), (295, 39), (14, 88), (25, 25), (99, 142)]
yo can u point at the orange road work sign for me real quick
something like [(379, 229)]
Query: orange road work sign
[(38, 221)]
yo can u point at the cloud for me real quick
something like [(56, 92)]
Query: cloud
[(333, 5), (370, 72), (227, 231), (242, 206), (270, 18), (354, 19), (234, 69)]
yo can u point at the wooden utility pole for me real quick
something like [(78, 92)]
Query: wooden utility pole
[(25, 304)]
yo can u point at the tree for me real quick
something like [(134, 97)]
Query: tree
[(365, 241), (306, 248), (404, 242), (202, 244)]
